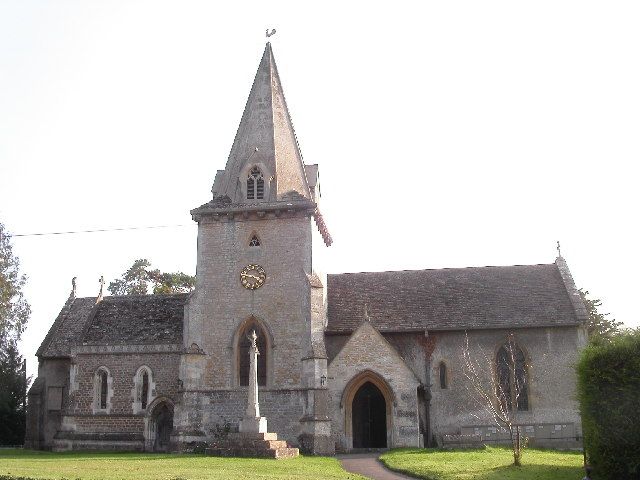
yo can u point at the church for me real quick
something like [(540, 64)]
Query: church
[(347, 361)]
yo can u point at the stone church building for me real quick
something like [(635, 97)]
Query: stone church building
[(347, 361)]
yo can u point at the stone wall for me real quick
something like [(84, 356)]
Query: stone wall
[(220, 304), (44, 416), (223, 409), (283, 307), (118, 428), (552, 421)]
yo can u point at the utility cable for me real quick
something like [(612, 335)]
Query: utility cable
[(98, 230)]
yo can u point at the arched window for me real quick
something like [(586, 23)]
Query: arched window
[(102, 390), (255, 185), (512, 380), (143, 390), (443, 375), (243, 354)]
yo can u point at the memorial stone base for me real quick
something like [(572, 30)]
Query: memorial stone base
[(246, 444)]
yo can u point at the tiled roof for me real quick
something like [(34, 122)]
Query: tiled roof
[(136, 320), (451, 299), (67, 330), (116, 320)]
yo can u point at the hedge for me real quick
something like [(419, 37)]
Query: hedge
[(609, 395)]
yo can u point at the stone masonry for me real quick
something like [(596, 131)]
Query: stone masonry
[(352, 360)]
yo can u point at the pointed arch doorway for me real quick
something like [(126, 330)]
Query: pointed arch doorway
[(369, 418), (161, 423), (368, 404)]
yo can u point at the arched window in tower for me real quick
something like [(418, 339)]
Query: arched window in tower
[(512, 379), (443, 375), (243, 354), (255, 185)]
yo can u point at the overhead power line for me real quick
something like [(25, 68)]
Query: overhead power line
[(99, 230)]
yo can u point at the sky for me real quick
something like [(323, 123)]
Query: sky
[(448, 134)]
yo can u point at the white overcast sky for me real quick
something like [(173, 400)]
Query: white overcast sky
[(449, 134)]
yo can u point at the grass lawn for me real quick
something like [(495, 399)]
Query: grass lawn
[(492, 463), (137, 466)]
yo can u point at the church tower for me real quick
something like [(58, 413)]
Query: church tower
[(255, 272)]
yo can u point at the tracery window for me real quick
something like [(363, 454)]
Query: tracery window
[(512, 379), (443, 375), (243, 354), (255, 185)]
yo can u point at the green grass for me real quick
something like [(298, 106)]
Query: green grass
[(492, 463), (138, 466)]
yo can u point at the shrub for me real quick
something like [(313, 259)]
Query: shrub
[(608, 391)]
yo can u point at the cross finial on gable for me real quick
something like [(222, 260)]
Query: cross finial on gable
[(558, 248), (101, 293), (73, 288)]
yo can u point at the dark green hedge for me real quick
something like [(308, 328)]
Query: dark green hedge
[(609, 395)]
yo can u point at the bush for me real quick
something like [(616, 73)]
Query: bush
[(609, 393)]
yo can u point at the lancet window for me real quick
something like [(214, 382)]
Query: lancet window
[(255, 185), (102, 390), (443, 375), (143, 389)]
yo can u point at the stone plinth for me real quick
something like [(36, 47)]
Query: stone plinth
[(253, 425), (264, 445)]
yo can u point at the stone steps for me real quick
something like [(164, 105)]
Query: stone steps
[(262, 445)]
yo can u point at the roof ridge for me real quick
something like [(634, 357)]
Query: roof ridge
[(445, 268)]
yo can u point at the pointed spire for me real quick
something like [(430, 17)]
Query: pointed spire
[(266, 139)]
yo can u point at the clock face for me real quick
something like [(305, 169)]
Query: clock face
[(252, 276)]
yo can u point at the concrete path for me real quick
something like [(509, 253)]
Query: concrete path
[(367, 464)]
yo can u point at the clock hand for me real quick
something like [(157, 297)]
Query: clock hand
[(245, 275)]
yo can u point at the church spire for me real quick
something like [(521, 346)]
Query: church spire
[(265, 146)]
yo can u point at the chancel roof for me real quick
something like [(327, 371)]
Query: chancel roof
[(455, 299), (116, 320)]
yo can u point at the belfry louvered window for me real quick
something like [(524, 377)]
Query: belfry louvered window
[(255, 185)]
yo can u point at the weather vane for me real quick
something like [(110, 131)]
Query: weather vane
[(271, 33)]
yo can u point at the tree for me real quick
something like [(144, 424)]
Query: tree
[(499, 388), (14, 314), (599, 326), (12, 396), (140, 277), (608, 392), (14, 308)]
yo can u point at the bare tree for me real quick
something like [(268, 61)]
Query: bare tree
[(499, 387)]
